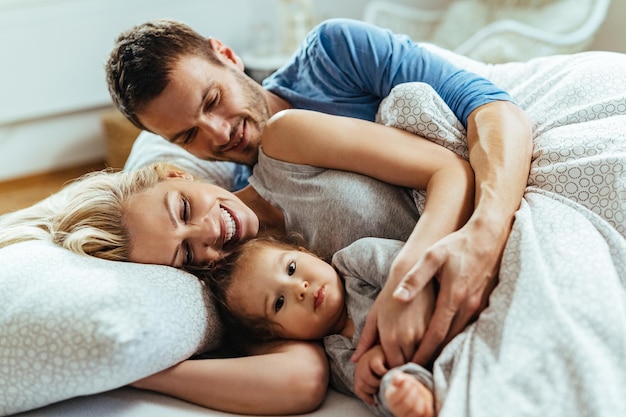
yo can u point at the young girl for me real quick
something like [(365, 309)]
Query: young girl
[(270, 289)]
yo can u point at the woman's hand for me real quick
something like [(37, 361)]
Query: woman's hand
[(367, 375)]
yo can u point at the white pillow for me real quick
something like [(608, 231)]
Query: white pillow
[(149, 148), (73, 325)]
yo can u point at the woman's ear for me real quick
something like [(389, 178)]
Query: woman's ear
[(226, 53), (173, 172)]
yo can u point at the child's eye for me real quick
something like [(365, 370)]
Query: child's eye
[(279, 304), (291, 268)]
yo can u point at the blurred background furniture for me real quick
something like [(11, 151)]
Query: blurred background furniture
[(497, 31)]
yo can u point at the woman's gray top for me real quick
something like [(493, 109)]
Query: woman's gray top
[(331, 208)]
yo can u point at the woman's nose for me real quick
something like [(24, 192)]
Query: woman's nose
[(206, 241)]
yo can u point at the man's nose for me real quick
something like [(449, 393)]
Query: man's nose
[(216, 129)]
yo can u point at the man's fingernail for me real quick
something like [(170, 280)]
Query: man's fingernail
[(401, 294)]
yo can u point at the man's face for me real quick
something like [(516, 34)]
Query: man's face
[(212, 111)]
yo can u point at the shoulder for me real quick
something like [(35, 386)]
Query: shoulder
[(364, 253), (279, 130), (286, 131), (339, 27), (338, 33)]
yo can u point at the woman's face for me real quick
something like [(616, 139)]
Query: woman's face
[(181, 222), (298, 292)]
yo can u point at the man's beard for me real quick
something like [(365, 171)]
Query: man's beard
[(258, 110)]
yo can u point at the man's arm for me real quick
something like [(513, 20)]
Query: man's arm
[(500, 145)]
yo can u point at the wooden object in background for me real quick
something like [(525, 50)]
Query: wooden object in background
[(120, 134), (24, 192)]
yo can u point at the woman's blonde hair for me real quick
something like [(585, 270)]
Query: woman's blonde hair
[(87, 216)]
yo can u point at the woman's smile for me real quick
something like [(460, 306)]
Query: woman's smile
[(181, 222)]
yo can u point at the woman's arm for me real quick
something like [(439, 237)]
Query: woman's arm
[(287, 378), (389, 154), (397, 157)]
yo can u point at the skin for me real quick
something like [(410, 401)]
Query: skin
[(214, 112), (301, 295), (465, 263), (218, 383), (193, 225), (284, 287), (407, 397)]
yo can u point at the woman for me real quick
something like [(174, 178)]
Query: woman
[(160, 215)]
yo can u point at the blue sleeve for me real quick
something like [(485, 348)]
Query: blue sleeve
[(372, 60)]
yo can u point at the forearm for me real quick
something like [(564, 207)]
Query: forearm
[(290, 380), (500, 148), (448, 206)]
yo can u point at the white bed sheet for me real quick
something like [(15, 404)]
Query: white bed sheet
[(130, 402)]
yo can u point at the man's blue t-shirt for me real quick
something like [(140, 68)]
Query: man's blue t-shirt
[(346, 67)]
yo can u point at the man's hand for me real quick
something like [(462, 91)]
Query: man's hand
[(368, 373), (465, 263), (399, 324), (467, 267)]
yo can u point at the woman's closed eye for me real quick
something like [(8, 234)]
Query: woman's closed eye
[(185, 209), (188, 253), (185, 215)]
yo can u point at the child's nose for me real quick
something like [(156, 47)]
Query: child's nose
[(301, 289)]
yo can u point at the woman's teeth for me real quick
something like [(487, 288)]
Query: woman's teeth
[(231, 226)]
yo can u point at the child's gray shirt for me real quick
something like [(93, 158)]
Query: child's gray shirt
[(364, 266)]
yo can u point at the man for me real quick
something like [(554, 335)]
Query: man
[(192, 91)]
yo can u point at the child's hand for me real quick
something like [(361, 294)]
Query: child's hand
[(367, 374)]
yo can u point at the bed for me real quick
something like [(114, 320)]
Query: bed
[(75, 330)]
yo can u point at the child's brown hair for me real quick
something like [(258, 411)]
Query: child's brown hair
[(241, 330)]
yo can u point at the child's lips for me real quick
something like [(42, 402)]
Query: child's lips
[(319, 297)]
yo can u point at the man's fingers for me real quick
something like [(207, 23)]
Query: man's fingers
[(435, 334), (368, 337), (397, 352), (418, 276), (470, 310)]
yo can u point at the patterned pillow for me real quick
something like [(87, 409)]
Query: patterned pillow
[(74, 325)]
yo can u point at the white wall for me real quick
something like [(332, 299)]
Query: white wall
[(52, 84), (612, 34)]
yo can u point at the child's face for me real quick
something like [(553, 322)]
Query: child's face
[(300, 293)]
